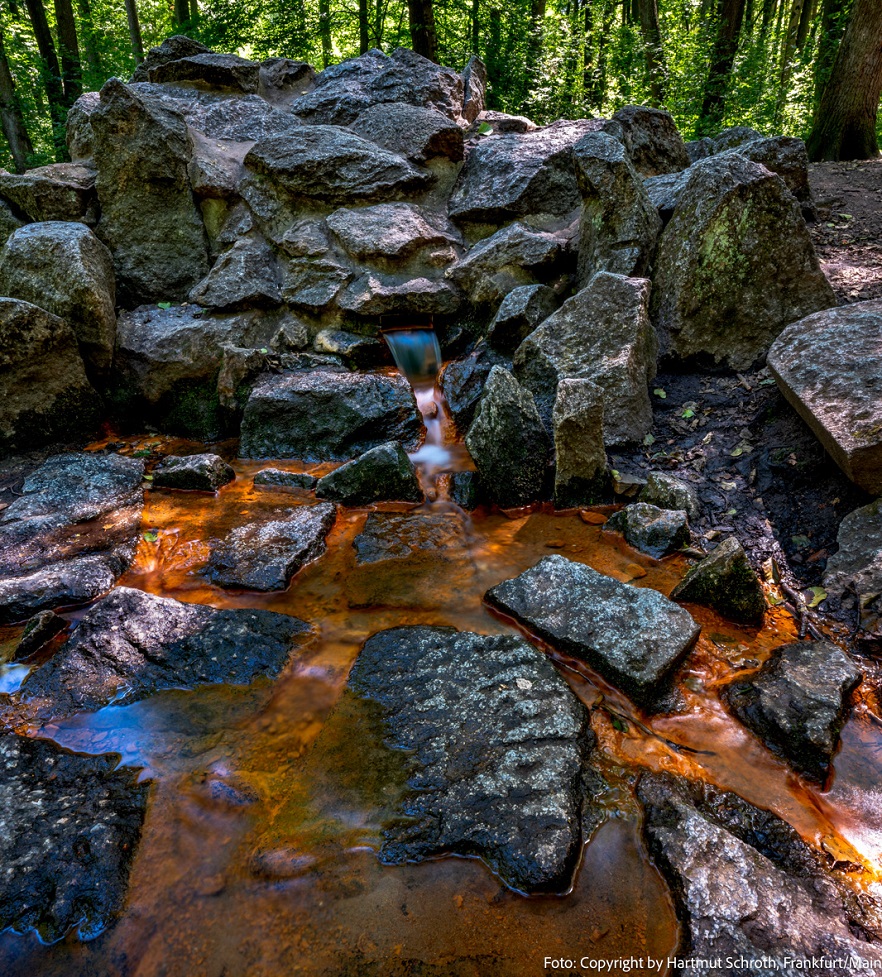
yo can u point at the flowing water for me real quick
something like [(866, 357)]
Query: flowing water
[(276, 874)]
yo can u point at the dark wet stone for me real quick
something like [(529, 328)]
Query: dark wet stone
[(70, 826), (376, 294), (652, 140), (798, 702), (498, 752), (359, 352), (223, 71), (521, 311), (580, 476), (745, 885), (132, 644), (265, 555), (392, 231), (382, 474), (39, 629), (327, 415), (245, 277), (508, 443), (465, 490), (415, 132), (278, 479), (71, 534), (632, 636), (58, 192), (726, 582), (463, 382), (656, 532), (669, 492), (198, 473), (172, 48), (857, 564)]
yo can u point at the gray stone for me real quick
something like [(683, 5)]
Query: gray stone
[(223, 71), (197, 473), (857, 564), (499, 751), (734, 136), (375, 294), (332, 165), (634, 637), (508, 443), (8, 222), (504, 124), (746, 886), (463, 381), (652, 140), (465, 490), (734, 265), (58, 192), (79, 127), (131, 645), (172, 48), (149, 218), (474, 84), (245, 277), (798, 702), (579, 453), (265, 555), (328, 415), (619, 225), (282, 79), (829, 366), (355, 350), (276, 478), (72, 532), (45, 395), (39, 630), (656, 532), (784, 155), (725, 581), (521, 311), (668, 492), (603, 333), (70, 826), (66, 270), (393, 231), (313, 284), (382, 474), (419, 134), (664, 192), (215, 169)]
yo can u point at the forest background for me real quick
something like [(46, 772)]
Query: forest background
[(712, 63)]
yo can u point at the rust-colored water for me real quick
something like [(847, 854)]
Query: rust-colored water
[(277, 875)]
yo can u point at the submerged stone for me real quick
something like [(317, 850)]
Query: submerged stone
[(725, 581), (265, 555), (656, 532), (40, 629), (278, 479), (199, 473), (131, 645), (498, 752), (633, 637), (70, 826), (382, 474)]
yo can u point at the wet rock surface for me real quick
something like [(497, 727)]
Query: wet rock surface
[(71, 534), (798, 702), (418, 133), (384, 473), (512, 784), (197, 473), (520, 312), (668, 492), (857, 564), (579, 452), (725, 581), (276, 478), (265, 555), (656, 532), (633, 637), (132, 644), (70, 826), (463, 382)]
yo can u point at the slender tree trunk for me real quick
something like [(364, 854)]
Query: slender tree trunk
[(833, 21), (730, 14), (534, 47), (90, 48), (788, 54), (364, 41), (69, 48), (51, 76), (11, 116), (422, 28), (379, 18), (845, 126), (656, 68), (588, 77), (603, 51), (768, 16), (809, 9), (476, 26), (181, 12), (494, 59), (325, 30), (135, 30), (194, 10)]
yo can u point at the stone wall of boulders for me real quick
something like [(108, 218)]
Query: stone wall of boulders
[(231, 237)]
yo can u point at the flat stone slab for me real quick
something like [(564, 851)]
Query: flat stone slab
[(71, 534), (265, 555), (829, 367), (69, 829), (195, 473), (632, 636), (498, 747), (132, 644)]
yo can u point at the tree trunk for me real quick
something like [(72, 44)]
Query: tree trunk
[(476, 26), (809, 9), (135, 30), (534, 47), (71, 72), (364, 42), (588, 77), (93, 58), (51, 76), (325, 30), (845, 126), (494, 61), (730, 14), (788, 54), (379, 18), (769, 7), (11, 117), (602, 52), (194, 10), (181, 12), (656, 69), (422, 28), (833, 21)]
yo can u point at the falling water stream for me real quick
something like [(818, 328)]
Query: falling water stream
[(278, 875)]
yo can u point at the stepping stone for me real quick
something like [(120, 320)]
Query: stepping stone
[(198, 473)]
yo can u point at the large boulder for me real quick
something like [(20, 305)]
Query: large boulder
[(513, 175), (393, 232), (45, 395), (508, 443), (787, 157), (619, 226), (474, 83), (417, 133), (463, 382), (669, 492), (217, 71), (245, 277), (579, 450), (149, 219), (58, 192), (328, 415), (382, 474), (72, 532), (746, 887), (603, 334), (798, 702), (520, 312), (652, 140), (725, 581), (376, 294), (131, 645), (265, 555), (172, 48), (857, 564), (498, 750), (66, 270), (829, 366), (634, 637), (734, 266), (8, 222), (193, 473), (70, 826)]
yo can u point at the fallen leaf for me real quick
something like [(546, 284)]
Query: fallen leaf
[(635, 570), (800, 542), (592, 518), (660, 393), (151, 536), (818, 594)]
